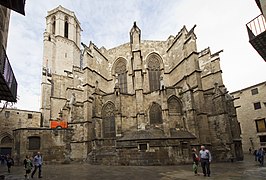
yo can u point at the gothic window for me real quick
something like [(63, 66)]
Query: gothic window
[(66, 28), (53, 25), (154, 72), (174, 106), (121, 71), (109, 120), (6, 140), (156, 114), (34, 143)]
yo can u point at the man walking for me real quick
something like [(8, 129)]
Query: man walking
[(37, 161), (205, 159)]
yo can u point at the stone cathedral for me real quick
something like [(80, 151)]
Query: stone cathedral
[(143, 102)]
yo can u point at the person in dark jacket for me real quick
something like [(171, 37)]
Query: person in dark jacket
[(27, 166), (9, 162), (261, 154)]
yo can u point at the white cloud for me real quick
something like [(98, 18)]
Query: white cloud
[(220, 25)]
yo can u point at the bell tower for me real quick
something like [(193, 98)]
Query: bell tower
[(61, 51)]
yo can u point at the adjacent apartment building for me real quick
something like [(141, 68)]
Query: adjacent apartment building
[(250, 104)]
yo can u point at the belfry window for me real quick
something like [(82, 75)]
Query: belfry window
[(53, 25), (154, 72), (108, 120), (66, 27), (156, 114), (121, 72)]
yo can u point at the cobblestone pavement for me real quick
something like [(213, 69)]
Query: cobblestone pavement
[(245, 170)]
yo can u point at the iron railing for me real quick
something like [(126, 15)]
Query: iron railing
[(262, 143), (257, 35), (8, 85), (256, 26)]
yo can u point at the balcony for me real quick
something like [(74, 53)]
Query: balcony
[(8, 82), (257, 35), (263, 144), (16, 5)]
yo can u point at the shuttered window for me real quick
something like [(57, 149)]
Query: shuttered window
[(34, 143), (261, 126)]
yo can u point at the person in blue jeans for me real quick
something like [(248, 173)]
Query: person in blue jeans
[(261, 154), (205, 159), (37, 161)]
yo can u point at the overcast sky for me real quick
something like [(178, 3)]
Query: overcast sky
[(220, 25)]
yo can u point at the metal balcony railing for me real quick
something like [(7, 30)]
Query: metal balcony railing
[(262, 143), (8, 82), (257, 34), (256, 26)]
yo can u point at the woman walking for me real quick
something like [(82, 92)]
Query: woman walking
[(28, 166), (195, 158)]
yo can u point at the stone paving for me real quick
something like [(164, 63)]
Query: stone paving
[(246, 170)]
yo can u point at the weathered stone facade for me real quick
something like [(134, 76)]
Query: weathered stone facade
[(141, 103), (52, 143), (11, 119), (251, 103)]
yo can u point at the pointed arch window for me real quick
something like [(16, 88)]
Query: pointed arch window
[(174, 106), (66, 27), (154, 72), (6, 140), (121, 72), (156, 114), (108, 120)]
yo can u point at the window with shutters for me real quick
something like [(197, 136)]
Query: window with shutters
[(121, 72), (156, 114), (174, 106), (154, 72), (34, 143), (261, 126), (108, 120)]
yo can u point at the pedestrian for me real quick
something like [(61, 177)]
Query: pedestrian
[(27, 166), (261, 154), (249, 150), (2, 159), (205, 159), (195, 158), (9, 162), (255, 155), (37, 161)]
